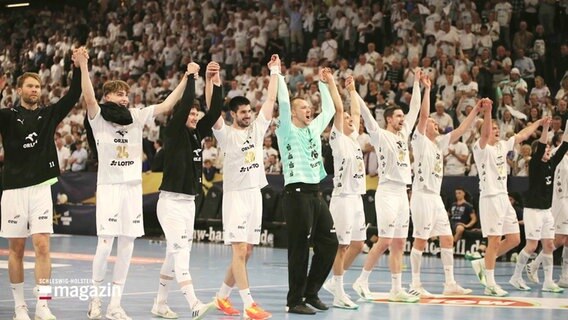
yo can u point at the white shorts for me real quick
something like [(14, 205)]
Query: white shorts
[(429, 216), (560, 215), (497, 216), (539, 224), (27, 211), (242, 216), (119, 210), (348, 218), (176, 213), (392, 210)]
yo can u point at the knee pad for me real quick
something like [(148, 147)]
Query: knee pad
[(181, 266)]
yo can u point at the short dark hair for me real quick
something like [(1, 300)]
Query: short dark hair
[(390, 111), (238, 101)]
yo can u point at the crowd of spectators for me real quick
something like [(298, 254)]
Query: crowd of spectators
[(514, 52)]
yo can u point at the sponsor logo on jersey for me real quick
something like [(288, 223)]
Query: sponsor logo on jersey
[(32, 138)]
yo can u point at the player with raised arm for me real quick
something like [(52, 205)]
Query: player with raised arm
[(244, 176)]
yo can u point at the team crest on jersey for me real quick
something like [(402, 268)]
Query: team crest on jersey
[(122, 133), (30, 140), (250, 156)]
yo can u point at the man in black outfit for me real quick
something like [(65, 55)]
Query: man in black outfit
[(30, 168)]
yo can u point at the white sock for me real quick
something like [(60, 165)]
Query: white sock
[(117, 289), (246, 297), (547, 264), (96, 285), (338, 283), (42, 291), (565, 262), (490, 277), (521, 263), (163, 290), (18, 293), (224, 291), (415, 263), (537, 261), (189, 294), (364, 275), (396, 282), (447, 256)]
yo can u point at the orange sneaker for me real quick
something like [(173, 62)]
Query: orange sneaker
[(226, 306), (255, 312)]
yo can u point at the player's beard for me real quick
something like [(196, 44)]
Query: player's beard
[(243, 123), (29, 100)]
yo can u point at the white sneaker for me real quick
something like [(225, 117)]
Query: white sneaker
[(329, 286), (362, 289), (552, 287), (344, 303), (532, 272), (563, 282), (162, 310), (402, 296), (479, 270), (42, 312), (420, 292), (519, 284), (495, 291), (95, 311), (200, 309), (21, 313), (454, 289), (116, 313)]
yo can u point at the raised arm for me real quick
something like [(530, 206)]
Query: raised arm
[(561, 151), (487, 127), (68, 101), (466, 124), (327, 110), (86, 84), (337, 101), (370, 122), (425, 109), (212, 116), (355, 107), (410, 119), (179, 118), (173, 98), (545, 126), (267, 108), (527, 131), (213, 79), (285, 112)]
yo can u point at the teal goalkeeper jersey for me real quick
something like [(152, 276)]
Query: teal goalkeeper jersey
[(300, 148)]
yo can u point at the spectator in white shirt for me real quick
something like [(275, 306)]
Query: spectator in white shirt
[(443, 119), (362, 68), (455, 159), (63, 153), (78, 159), (329, 47)]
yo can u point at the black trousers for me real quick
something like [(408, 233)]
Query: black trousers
[(308, 219)]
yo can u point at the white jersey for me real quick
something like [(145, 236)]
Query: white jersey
[(120, 147), (349, 168), (561, 180), (243, 165), (429, 162), (492, 166), (392, 151)]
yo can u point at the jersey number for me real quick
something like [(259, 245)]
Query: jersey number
[(122, 152), (51, 164)]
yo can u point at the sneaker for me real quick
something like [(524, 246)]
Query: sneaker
[(344, 303), (116, 313), (162, 310), (420, 292), (532, 272), (362, 289), (519, 284), (514, 257), (200, 309), (95, 311), (402, 296), (21, 313), (226, 306), (454, 289), (495, 291), (552, 287), (473, 256), (329, 286), (42, 312), (255, 312), (479, 270), (563, 282), (300, 309)]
